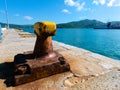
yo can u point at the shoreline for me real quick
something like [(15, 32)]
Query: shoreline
[(98, 50), (88, 70), (29, 35)]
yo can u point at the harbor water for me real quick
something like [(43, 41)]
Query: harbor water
[(102, 41)]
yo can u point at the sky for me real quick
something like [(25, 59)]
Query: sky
[(59, 11)]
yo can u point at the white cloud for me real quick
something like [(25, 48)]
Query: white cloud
[(102, 2), (76, 4), (28, 17), (117, 3), (113, 3), (69, 2), (17, 15), (97, 2), (108, 3), (66, 11), (80, 6)]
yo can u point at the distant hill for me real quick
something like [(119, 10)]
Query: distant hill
[(15, 26), (76, 24), (82, 24)]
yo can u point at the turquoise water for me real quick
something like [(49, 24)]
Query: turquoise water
[(102, 41), (0, 33)]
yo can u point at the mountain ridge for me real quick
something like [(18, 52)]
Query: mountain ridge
[(86, 23), (81, 24)]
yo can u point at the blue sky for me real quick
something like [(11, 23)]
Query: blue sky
[(59, 11)]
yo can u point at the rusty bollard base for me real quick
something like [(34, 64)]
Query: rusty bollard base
[(28, 68), (43, 61)]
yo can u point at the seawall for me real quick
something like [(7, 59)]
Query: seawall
[(88, 70)]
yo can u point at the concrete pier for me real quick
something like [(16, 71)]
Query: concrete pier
[(89, 71)]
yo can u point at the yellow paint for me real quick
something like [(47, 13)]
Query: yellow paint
[(49, 25), (41, 27)]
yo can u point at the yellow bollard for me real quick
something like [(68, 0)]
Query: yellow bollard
[(43, 61)]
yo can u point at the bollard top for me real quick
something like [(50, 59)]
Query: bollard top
[(45, 28)]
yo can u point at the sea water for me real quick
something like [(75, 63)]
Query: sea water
[(0, 33), (102, 41)]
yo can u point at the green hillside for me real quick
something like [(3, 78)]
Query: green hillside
[(76, 24), (15, 26), (82, 24)]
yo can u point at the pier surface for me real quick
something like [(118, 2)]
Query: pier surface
[(89, 71)]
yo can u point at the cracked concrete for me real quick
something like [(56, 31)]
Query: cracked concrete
[(89, 71)]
